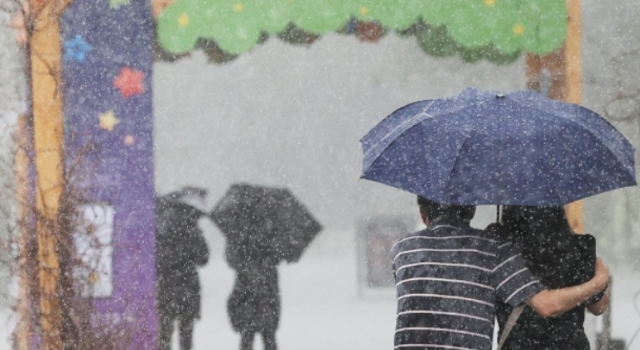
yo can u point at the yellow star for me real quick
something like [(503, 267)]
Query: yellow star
[(490, 3), (183, 20), (364, 11), (238, 7), (518, 29), (108, 121)]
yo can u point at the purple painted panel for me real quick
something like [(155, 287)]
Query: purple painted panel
[(108, 57)]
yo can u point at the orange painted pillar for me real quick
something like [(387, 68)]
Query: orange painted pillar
[(45, 55), (560, 75), (573, 87)]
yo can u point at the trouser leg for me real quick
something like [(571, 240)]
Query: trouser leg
[(186, 333), (269, 340), (166, 330), (246, 342)]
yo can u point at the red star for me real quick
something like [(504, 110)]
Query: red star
[(130, 82)]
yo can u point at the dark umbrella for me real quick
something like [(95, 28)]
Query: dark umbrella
[(177, 209), (271, 217), (190, 195), (482, 147), (174, 214)]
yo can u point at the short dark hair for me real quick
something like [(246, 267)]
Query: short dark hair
[(433, 209)]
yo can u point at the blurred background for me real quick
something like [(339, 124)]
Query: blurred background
[(292, 116)]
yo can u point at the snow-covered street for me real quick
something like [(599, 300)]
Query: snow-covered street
[(322, 310)]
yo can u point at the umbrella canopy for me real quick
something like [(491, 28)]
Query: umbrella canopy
[(189, 195), (483, 147), (271, 218), (176, 230), (173, 215), (170, 207)]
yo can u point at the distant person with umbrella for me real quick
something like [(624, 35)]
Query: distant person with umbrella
[(483, 147), (254, 304), (263, 226), (181, 249)]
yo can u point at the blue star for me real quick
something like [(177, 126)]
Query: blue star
[(351, 27), (76, 49)]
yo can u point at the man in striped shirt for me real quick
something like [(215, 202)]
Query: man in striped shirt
[(449, 277)]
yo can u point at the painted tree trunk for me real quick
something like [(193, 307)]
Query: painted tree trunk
[(27, 263)]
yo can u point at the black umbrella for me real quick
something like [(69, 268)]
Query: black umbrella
[(169, 207), (173, 216), (189, 195), (269, 218)]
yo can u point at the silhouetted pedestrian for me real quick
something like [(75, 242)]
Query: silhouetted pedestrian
[(254, 304), (181, 248)]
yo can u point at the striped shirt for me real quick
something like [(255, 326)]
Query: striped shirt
[(448, 280)]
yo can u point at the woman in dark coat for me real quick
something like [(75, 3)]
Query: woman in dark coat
[(559, 258), (254, 304)]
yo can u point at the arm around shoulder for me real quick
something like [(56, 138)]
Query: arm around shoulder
[(549, 303), (599, 307)]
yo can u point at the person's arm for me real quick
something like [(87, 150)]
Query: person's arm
[(599, 307), (549, 303)]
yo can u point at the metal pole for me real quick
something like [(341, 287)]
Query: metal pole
[(605, 336)]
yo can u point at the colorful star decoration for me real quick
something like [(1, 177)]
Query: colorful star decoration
[(129, 140), (108, 121), (518, 29), (130, 82), (114, 4), (184, 20), (76, 49)]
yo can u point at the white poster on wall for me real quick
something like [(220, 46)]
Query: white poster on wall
[(93, 241)]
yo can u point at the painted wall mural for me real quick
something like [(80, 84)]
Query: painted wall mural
[(107, 66)]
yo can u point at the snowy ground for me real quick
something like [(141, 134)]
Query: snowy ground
[(322, 310)]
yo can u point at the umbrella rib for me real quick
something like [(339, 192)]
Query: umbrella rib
[(411, 122), (600, 141), (455, 163), (453, 110)]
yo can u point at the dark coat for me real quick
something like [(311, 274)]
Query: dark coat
[(559, 259), (558, 264), (181, 248), (254, 304)]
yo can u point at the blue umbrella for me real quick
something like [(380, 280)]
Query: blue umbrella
[(483, 147)]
